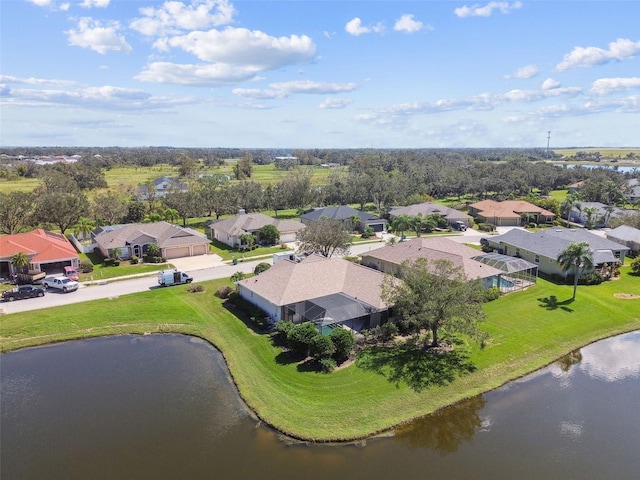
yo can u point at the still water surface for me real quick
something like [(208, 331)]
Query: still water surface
[(163, 406)]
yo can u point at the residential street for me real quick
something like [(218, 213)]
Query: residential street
[(114, 289)]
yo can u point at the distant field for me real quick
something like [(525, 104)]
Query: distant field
[(125, 178), (617, 153)]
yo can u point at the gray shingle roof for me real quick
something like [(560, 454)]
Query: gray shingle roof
[(551, 242), (625, 233), (343, 212), (162, 233), (429, 208)]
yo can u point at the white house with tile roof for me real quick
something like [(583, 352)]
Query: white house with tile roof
[(323, 290)]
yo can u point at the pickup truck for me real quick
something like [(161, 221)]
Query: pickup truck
[(25, 291), (61, 283)]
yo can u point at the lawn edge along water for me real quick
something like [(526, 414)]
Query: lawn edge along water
[(527, 333)]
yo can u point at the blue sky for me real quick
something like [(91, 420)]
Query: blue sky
[(319, 74)]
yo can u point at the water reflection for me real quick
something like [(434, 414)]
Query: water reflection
[(613, 360), (446, 429)]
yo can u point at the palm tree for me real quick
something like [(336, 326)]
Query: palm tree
[(355, 221), (401, 223), (579, 256), (589, 213), (83, 227), (20, 261)]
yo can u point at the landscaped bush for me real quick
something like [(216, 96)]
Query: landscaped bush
[(321, 347), (343, 341), (635, 265), (593, 278), (195, 288), (224, 292), (368, 233), (283, 327), (533, 224), (300, 337), (261, 267), (134, 260), (327, 365), (486, 227), (491, 294), (255, 314), (85, 267)]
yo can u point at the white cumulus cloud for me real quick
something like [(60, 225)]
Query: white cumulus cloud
[(605, 86), (101, 38), (406, 23), (174, 17), (95, 3), (550, 84), (619, 50), (285, 89), (239, 46), (527, 71), (355, 27), (486, 10), (195, 75)]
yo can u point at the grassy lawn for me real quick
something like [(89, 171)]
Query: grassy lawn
[(527, 330), (100, 272), (229, 253)]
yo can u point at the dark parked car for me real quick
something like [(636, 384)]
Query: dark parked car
[(458, 225), (24, 291)]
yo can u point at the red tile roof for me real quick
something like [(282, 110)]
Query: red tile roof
[(41, 246)]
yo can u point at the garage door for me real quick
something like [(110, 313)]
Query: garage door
[(177, 252), (200, 249)]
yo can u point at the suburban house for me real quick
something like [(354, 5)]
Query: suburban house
[(389, 259), (598, 213), (627, 236), (228, 231), (509, 213), (135, 238), (159, 187), (632, 190), (346, 214), (48, 251), (542, 248), (325, 291), (425, 209)]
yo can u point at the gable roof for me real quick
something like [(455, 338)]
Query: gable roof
[(316, 276), (251, 222), (162, 233), (625, 233), (429, 208), (508, 209), (551, 242), (42, 246), (432, 249), (342, 212)]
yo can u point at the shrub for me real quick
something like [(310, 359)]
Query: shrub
[(283, 327), (195, 288), (224, 292), (134, 260), (321, 346), (236, 277), (261, 267), (300, 337), (327, 365), (532, 225), (368, 233), (491, 294), (635, 266), (343, 341), (86, 267), (486, 227), (388, 331), (593, 278)]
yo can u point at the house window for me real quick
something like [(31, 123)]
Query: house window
[(537, 259), (616, 254), (517, 252)]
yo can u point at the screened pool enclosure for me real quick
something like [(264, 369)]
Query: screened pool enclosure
[(329, 311), (518, 273)]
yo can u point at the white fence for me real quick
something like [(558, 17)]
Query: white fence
[(82, 248)]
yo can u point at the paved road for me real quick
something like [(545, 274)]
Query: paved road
[(114, 289)]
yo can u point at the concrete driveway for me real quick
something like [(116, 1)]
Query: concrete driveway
[(198, 262)]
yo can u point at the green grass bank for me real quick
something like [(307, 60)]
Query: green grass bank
[(528, 330)]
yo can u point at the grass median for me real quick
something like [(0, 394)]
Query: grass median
[(528, 330)]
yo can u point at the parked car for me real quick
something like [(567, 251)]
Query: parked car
[(61, 283), (24, 291), (459, 225), (72, 273)]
